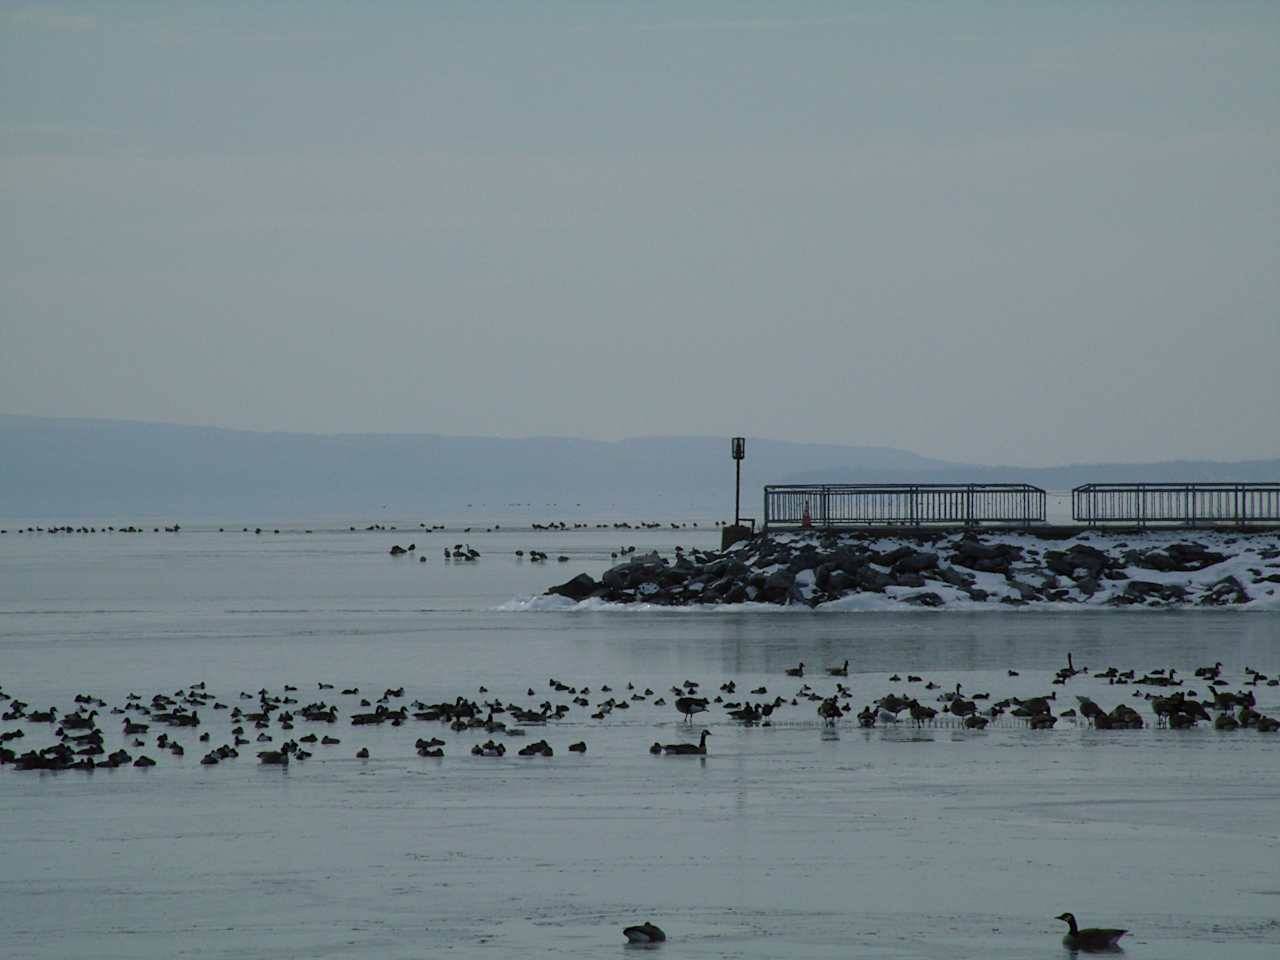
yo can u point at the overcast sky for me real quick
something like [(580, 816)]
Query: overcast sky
[(1027, 233)]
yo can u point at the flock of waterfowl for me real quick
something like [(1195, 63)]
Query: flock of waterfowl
[(553, 526), (268, 723)]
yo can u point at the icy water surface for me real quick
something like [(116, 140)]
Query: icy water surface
[(788, 841)]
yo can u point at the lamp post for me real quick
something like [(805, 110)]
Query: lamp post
[(739, 448)]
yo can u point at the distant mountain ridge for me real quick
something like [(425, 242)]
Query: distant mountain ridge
[(1072, 475), (55, 468)]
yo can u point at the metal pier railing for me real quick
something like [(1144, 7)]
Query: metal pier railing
[(870, 504), (1184, 504)]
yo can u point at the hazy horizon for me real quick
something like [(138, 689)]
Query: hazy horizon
[(1261, 455), (1012, 233)]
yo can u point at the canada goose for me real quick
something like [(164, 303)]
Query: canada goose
[(920, 713), (1091, 938), (644, 933), (691, 705), (830, 711), (76, 721), (688, 749), (1209, 673), (534, 749), (797, 671), (839, 671)]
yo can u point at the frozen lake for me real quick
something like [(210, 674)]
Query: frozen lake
[(786, 841)]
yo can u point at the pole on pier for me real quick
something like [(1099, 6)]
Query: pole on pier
[(731, 535), (739, 449)]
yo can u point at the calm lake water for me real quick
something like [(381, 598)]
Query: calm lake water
[(787, 841)]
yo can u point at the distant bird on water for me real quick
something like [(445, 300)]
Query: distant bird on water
[(796, 671), (1090, 938), (644, 933)]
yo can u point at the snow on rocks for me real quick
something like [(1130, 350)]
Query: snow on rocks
[(921, 568)]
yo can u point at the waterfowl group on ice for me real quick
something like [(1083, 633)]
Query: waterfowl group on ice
[(271, 718)]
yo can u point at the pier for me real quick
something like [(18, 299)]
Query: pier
[(942, 506), (830, 506)]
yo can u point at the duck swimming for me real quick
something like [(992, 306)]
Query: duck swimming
[(1090, 938), (644, 933), (688, 749)]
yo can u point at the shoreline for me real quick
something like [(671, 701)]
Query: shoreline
[(1095, 569)]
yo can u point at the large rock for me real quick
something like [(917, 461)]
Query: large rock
[(777, 586), (926, 599), (893, 556), (916, 562), (974, 550), (984, 557), (1080, 557), (627, 575), (1226, 590), (1088, 586), (1025, 590), (839, 583), (579, 588), (1143, 589), (725, 567), (954, 577), (871, 579)]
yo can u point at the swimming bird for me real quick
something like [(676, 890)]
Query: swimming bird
[(644, 933), (688, 749), (1091, 938), (839, 671), (797, 671)]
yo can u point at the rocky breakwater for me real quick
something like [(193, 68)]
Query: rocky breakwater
[(1157, 569)]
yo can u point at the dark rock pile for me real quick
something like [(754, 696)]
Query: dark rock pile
[(933, 569)]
